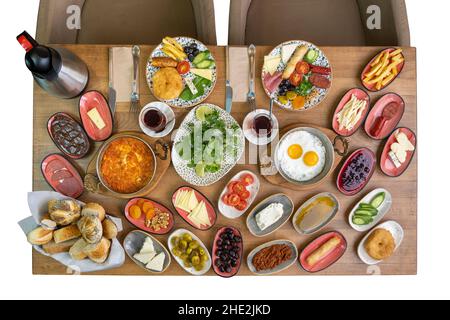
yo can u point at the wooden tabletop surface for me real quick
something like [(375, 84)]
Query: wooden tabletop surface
[(347, 64)]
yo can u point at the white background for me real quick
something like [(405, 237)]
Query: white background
[(430, 33)]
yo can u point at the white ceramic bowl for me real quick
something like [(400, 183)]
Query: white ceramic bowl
[(168, 113)]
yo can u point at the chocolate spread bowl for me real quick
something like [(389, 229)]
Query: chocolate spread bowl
[(99, 160)]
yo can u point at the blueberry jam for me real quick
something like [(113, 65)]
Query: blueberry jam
[(358, 171)]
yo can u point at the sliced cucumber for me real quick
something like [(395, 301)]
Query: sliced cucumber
[(200, 57), (378, 200), (205, 64), (362, 221), (365, 212), (312, 56), (367, 206)]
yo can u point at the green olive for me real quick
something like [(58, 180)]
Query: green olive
[(174, 241), (201, 251), (189, 250), (198, 267), (195, 260), (184, 256), (183, 244), (193, 245), (204, 258), (187, 237)]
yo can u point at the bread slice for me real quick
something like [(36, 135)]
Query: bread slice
[(64, 212), (109, 229), (94, 210), (53, 248), (66, 233), (91, 229), (99, 252), (77, 251), (40, 236)]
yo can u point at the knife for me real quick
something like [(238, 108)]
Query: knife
[(228, 88), (112, 95)]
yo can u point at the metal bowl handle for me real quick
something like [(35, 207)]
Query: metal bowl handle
[(165, 148), (92, 183), (344, 143)]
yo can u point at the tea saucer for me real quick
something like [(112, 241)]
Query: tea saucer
[(251, 135), (166, 110)]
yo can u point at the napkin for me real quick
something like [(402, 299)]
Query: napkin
[(239, 73), (37, 202), (121, 74)]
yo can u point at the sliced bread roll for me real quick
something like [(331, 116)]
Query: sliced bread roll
[(93, 210), (64, 212), (53, 248), (109, 229), (77, 251), (91, 229), (66, 233), (40, 236), (98, 252)]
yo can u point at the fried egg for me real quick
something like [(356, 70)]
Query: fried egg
[(301, 156)]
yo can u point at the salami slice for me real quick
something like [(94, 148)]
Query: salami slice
[(320, 81)]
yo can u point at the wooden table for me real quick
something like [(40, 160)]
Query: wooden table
[(347, 64)]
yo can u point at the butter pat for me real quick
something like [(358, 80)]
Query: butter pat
[(96, 118), (268, 216)]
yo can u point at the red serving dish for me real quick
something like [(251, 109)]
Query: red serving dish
[(95, 100), (62, 176), (369, 159), (140, 223), (368, 67), (377, 111), (386, 164), (200, 197), (330, 259), (361, 95), (235, 270)]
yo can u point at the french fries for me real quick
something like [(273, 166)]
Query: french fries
[(173, 49), (384, 69)]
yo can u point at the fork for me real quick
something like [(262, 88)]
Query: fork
[(135, 105)]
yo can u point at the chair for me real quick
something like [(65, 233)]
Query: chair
[(126, 21), (323, 22)]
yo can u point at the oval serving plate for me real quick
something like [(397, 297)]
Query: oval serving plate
[(382, 210), (82, 135), (178, 102), (140, 223), (231, 212), (235, 270), (285, 265), (397, 233), (368, 66), (386, 164), (329, 259), (62, 176), (360, 95), (200, 197), (314, 99), (377, 111), (181, 166), (368, 153), (95, 100), (288, 209), (191, 270), (324, 222), (133, 243)]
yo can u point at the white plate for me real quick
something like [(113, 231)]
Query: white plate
[(150, 71), (322, 61), (394, 228), (178, 233), (168, 113), (382, 210), (250, 133), (285, 265), (181, 166), (231, 212)]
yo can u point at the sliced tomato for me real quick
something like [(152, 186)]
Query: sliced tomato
[(302, 67), (241, 206), (245, 195), (226, 199), (233, 199), (231, 186), (247, 179), (238, 188), (296, 78), (183, 67)]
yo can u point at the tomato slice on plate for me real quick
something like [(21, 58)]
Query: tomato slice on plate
[(302, 67), (245, 195), (226, 199), (233, 199), (247, 180), (231, 186), (241, 205), (183, 67), (296, 78), (239, 188)]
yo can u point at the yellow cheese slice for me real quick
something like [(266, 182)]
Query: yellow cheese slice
[(204, 73), (96, 118)]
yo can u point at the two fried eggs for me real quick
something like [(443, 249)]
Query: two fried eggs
[(301, 156)]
